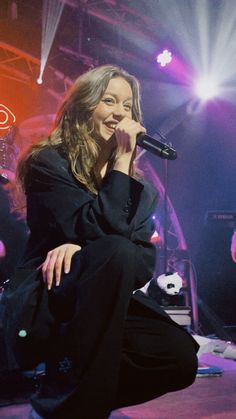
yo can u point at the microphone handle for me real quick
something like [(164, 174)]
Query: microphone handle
[(156, 147)]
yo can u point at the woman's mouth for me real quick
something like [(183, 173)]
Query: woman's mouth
[(110, 126)]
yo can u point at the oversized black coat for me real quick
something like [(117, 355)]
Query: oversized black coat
[(60, 210)]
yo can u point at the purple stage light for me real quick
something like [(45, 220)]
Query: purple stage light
[(206, 88), (164, 58)]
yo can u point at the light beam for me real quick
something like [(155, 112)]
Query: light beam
[(51, 14), (206, 88)]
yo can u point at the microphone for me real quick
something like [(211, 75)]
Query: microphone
[(156, 147)]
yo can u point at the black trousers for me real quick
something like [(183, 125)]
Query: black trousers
[(110, 349), (158, 357)]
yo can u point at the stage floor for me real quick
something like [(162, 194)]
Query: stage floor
[(208, 397)]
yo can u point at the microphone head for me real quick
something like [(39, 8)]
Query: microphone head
[(169, 153)]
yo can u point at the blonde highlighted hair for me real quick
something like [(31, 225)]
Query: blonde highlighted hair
[(74, 125)]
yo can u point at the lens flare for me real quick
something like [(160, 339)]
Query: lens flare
[(203, 35), (206, 88)]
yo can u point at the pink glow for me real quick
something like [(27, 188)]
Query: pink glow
[(179, 71)]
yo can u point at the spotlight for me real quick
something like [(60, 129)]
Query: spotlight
[(51, 15), (164, 58), (39, 80), (206, 88)]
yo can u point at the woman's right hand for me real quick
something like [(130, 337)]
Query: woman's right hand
[(56, 259), (126, 133)]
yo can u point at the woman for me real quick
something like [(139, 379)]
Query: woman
[(90, 224)]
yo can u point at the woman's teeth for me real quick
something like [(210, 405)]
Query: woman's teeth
[(112, 126)]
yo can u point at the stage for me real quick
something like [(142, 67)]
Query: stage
[(208, 397)]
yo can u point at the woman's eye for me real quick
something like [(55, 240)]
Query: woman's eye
[(108, 100), (127, 107)]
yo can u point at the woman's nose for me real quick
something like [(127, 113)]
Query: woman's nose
[(119, 111)]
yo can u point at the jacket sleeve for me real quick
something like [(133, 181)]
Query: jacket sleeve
[(73, 214)]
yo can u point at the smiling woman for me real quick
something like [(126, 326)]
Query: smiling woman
[(113, 115), (113, 107), (71, 301)]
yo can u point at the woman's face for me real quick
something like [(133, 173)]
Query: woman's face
[(115, 104)]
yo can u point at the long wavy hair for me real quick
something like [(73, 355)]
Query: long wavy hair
[(74, 127)]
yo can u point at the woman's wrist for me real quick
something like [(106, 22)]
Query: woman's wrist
[(122, 164)]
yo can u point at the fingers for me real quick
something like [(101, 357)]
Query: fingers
[(56, 259), (58, 266), (126, 133), (52, 262), (67, 260)]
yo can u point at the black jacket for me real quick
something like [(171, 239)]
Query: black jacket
[(60, 210)]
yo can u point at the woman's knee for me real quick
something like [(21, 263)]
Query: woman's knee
[(113, 248), (117, 242), (121, 254)]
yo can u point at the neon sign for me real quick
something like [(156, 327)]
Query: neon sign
[(7, 117)]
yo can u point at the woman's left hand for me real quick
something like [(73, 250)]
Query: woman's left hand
[(55, 260)]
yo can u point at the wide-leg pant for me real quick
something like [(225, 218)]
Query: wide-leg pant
[(118, 351), (158, 357)]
